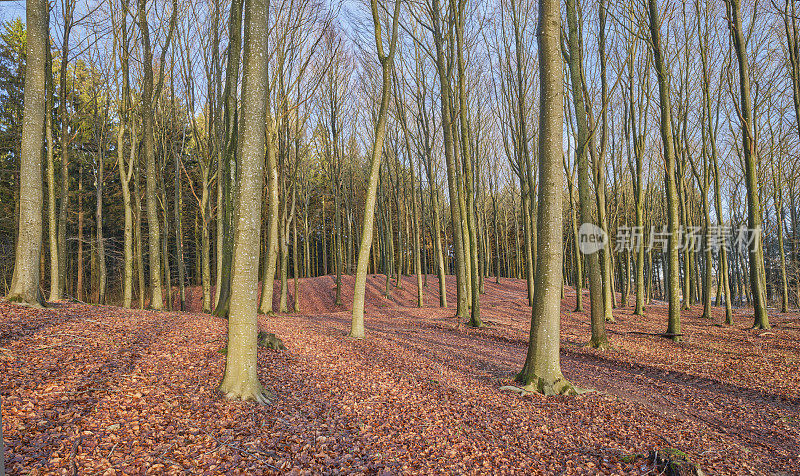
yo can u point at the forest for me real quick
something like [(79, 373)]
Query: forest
[(400, 237)]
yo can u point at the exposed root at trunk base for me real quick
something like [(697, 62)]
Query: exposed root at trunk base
[(262, 398), (37, 302), (547, 386), (270, 341), (245, 390), (599, 344), (673, 462)]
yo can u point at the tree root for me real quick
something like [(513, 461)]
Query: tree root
[(547, 386), (20, 300), (246, 389), (270, 341), (601, 344), (673, 462)]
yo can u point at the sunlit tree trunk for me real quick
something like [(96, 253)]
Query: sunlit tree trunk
[(387, 63), (154, 233), (470, 216), (241, 377), (673, 278), (756, 250), (68, 8), (52, 218), (583, 140), (149, 95), (542, 369), (449, 152), (25, 281)]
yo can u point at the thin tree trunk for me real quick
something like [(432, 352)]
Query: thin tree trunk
[(387, 63), (674, 324), (756, 251)]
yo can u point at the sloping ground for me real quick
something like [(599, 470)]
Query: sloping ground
[(94, 390)]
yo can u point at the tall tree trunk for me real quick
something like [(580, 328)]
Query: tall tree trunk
[(756, 250), (148, 98), (79, 259), (599, 338), (778, 199), (241, 377), (153, 226), (100, 246), (414, 218), (673, 278), (178, 210), (25, 281), (471, 240), (124, 168), (600, 172), (52, 219), (295, 257), (68, 8), (270, 260), (452, 170), (387, 63), (228, 172), (542, 369), (137, 215)]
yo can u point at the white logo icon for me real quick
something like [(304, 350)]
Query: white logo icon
[(591, 238)]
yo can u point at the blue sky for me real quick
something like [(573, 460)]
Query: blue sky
[(12, 9)]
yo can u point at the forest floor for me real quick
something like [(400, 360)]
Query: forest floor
[(101, 390)]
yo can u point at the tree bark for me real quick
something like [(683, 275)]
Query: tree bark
[(673, 278), (583, 140), (387, 63), (542, 369), (756, 250), (25, 281), (241, 377)]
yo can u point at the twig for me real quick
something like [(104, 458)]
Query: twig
[(112, 451), (73, 453), (70, 335), (165, 451), (67, 343), (96, 322)]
